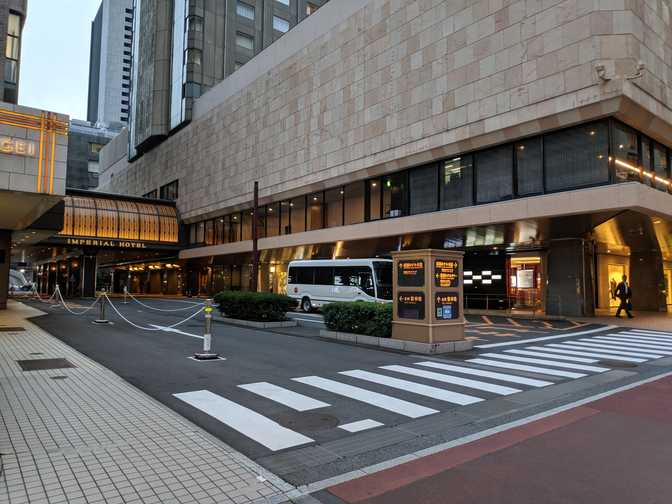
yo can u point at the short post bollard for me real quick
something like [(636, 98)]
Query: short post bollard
[(207, 352), (101, 311), (125, 294)]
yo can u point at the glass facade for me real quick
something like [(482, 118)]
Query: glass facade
[(574, 158)]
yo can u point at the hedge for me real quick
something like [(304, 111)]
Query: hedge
[(359, 317), (255, 306)]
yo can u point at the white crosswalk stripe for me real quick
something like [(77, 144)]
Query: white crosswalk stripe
[(413, 387), (298, 402), (633, 342), (521, 380), (602, 352), (360, 425), (521, 367), (382, 401), (643, 337), (455, 380), (546, 362), (621, 346), (249, 423), (661, 333), (585, 360)]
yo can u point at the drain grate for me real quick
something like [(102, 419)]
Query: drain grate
[(42, 364), (617, 364), (11, 329)]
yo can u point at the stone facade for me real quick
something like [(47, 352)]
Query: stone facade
[(364, 88)]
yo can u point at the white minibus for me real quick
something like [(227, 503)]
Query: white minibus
[(318, 282)]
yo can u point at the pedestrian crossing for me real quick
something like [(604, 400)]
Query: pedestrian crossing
[(395, 393)]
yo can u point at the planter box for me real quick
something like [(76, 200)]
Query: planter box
[(255, 324), (407, 346)]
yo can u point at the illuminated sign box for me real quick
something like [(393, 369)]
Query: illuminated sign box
[(17, 147), (446, 273), (411, 305), (446, 306), (411, 273)]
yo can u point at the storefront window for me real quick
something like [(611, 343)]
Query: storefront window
[(315, 217), (273, 219), (394, 195), (456, 184), (625, 149), (246, 233), (660, 165), (235, 228), (577, 157), (354, 203), (529, 167), (209, 233), (298, 214), (200, 232), (285, 217), (219, 230), (424, 195), (374, 199), (333, 200), (494, 174)]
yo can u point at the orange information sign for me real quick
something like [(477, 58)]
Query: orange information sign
[(447, 306), (446, 273), (411, 273), (411, 305)]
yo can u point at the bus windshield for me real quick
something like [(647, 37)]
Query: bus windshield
[(383, 272)]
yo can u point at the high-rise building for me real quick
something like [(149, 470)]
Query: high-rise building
[(184, 47), (85, 140), (110, 63), (12, 17)]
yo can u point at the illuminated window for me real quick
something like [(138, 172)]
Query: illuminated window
[(456, 183), (283, 2)]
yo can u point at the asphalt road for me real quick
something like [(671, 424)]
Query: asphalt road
[(314, 438)]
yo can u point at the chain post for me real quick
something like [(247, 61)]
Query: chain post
[(207, 353), (101, 310), (125, 294)]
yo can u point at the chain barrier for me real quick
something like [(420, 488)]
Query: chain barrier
[(152, 328), (37, 296), (191, 307), (65, 305)]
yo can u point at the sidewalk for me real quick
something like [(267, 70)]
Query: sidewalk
[(81, 434)]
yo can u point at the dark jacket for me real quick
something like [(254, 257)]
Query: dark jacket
[(623, 292)]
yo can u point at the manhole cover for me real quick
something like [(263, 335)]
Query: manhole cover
[(42, 364), (58, 377), (11, 329), (310, 422), (617, 364)]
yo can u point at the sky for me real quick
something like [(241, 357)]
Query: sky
[(55, 55)]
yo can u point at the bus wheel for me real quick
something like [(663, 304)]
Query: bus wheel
[(306, 305)]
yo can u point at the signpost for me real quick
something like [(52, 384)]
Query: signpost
[(428, 295)]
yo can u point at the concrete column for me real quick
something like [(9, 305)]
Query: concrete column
[(89, 267), (570, 278), (647, 279), (5, 261)]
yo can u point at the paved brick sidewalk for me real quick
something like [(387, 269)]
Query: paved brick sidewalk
[(84, 435)]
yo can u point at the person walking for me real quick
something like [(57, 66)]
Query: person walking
[(624, 293)]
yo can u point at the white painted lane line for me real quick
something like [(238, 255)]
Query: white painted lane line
[(383, 401), (642, 337), (257, 427), (360, 426), (174, 330), (661, 333), (521, 380), (294, 400), (602, 352), (633, 342), (552, 356), (546, 338), (521, 367), (413, 387), (621, 346), (455, 380), (546, 362)]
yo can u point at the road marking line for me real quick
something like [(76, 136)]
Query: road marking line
[(621, 346), (257, 427), (547, 338), (294, 400), (601, 352), (661, 333), (455, 380), (545, 362), (486, 374), (383, 401), (548, 325), (361, 425), (177, 331), (486, 319), (532, 369), (514, 323), (634, 341), (644, 335), (552, 356), (413, 387)]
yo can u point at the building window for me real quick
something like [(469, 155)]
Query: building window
[(285, 222), (234, 229), (219, 230), (456, 183), (94, 148), (247, 225), (354, 203), (283, 2), (273, 220), (152, 195), (625, 148), (13, 48), (529, 167), (374, 201), (280, 24), (314, 214), (194, 24), (577, 157), (209, 233), (169, 191), (394, 195), (311, 9), (245, 10), (237, 65), (245, 41), (94, 167), (424, 195), (333, 201), (494, 175), (660, 166), (297, 209)]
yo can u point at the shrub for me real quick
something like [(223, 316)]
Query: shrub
[(255, 306), (371, 319)]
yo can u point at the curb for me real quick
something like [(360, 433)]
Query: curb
[(407, 346), (255, 324)]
